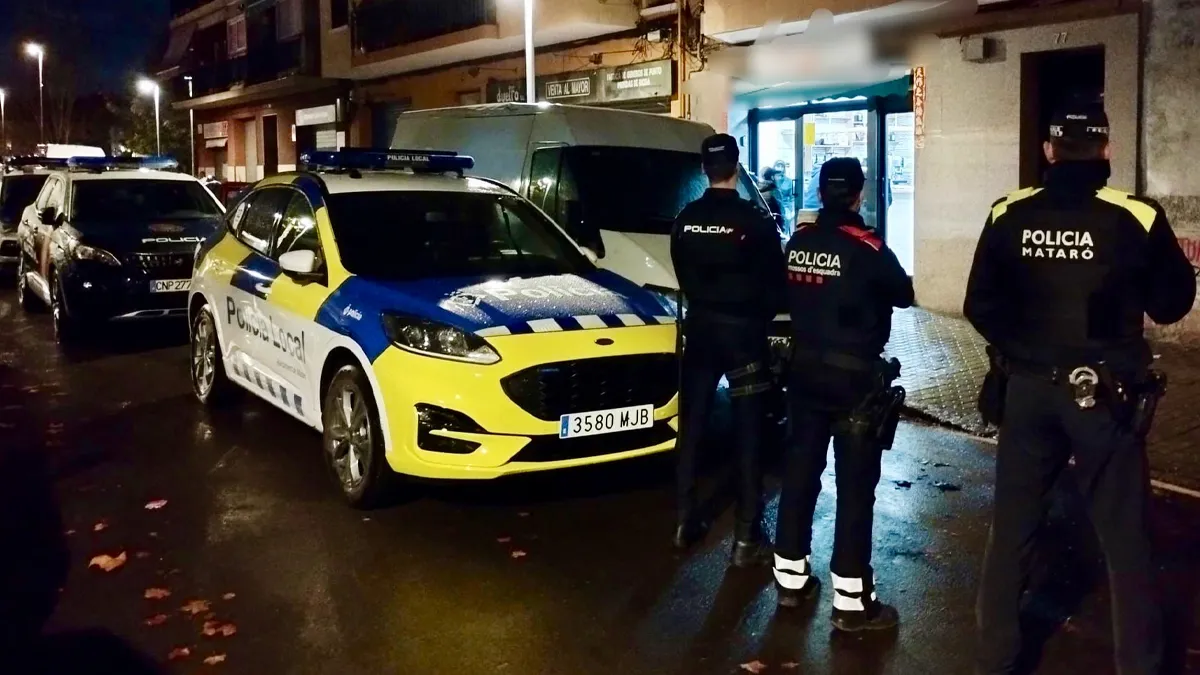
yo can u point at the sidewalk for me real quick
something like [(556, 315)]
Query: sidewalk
[(944, 363)]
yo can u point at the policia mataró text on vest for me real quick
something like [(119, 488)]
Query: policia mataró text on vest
[(729, 263), (843, 283), (1062, 279)]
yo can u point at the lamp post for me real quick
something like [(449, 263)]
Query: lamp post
[(151, 88), (530, 87), (38, 52), (191, 123), (3, 122)]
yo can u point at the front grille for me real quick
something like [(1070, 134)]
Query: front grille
[(555, 449), (164, 265), (552, 390)]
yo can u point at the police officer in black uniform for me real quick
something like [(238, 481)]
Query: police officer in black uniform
[(1062, 278), (729, 262), (843, 282)]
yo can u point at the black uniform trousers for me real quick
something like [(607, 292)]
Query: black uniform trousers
[(820, 400), (1042, 429), (737, 349)]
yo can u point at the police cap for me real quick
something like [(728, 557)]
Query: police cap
[(719, 150), (1080, 123), (842, 175)]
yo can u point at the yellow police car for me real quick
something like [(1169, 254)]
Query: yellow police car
[(429, 324)]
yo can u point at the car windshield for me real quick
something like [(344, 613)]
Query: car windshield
[(121, 200), (402, 235), (640, 190), (17, 192)]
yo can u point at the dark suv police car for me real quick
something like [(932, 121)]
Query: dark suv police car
[(21, 179), (112, 240)]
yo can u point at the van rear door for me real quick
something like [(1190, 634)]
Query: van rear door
[(497, 143)]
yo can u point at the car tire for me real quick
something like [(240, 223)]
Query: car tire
[(26, 298), (353, 441), (68, 329), (210, 383)]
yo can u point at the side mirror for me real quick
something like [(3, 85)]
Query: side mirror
[(300, 265), (591, 255), (582, 230)]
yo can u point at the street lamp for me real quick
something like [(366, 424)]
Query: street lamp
[(191, 123), (150, 88), (38, 52), (530, 88)]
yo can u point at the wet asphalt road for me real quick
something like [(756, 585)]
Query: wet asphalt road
[(557, 573)]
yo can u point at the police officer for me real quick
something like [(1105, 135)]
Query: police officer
[(843, 282), (1062, 278), (729, 262)]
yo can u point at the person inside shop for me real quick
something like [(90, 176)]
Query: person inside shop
[(1062, 279), (843, 282), (730, 266), (770, 191)]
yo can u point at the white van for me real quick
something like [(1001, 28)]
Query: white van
[(613, 179)]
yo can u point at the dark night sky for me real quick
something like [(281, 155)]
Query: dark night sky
[(99, 44)]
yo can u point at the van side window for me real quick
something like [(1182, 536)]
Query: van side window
[(543, 180)]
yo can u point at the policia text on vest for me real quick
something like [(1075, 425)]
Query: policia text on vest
[(1062, 279)]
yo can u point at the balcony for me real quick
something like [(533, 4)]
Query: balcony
[(390, 37), (384, 24)]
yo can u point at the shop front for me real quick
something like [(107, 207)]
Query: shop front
[(876, 125), (645, 87), (318, 128)]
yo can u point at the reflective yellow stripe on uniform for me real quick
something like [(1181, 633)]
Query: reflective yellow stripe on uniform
[(1145, 214), (1001, 206)]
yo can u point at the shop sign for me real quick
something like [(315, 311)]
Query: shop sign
[(216, 129), (919, 107), (643, 80), (307, 117), (655, 79)]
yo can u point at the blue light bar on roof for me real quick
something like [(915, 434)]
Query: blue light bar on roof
[(117, 163), (434, 161)]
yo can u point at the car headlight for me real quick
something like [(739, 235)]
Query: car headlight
[(435, 339), (667, 297), (85, 252)]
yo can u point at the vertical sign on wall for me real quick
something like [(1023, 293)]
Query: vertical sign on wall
[(919, 106)]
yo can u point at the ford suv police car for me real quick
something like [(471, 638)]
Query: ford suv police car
[(21, 179), (428, 324), (112, 240)]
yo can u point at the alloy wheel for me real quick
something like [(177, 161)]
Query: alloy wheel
[(204, 356), (349, 425)]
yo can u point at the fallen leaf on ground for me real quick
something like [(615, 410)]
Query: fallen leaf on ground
[(100, 526), (107, 562), (519, 554), (229, 596), (156, 620), (904, 484), (156, 504), (213, 628), (157, 593), (153, 534), (523, 514), (503, 540), (195, 607), (753, 667), (790, 665), (179, 653), (142, 555), (214, 659), (946, 487), (69, 532)]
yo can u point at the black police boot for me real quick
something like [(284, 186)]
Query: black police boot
[(791, 598), (751, 548), (855, 607), (794, 581), (690, 530)]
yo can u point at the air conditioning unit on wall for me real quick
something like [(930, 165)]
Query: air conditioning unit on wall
[(977, 49)]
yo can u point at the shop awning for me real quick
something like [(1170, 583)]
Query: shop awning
[(216, 142), (895, 83), (177, 47)]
